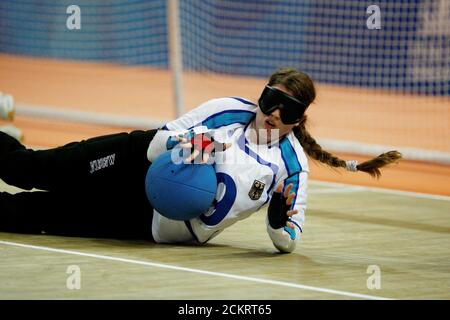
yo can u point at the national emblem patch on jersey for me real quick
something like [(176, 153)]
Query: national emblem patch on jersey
[(256, 190)]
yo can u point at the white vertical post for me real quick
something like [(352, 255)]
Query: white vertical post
[(175, 53)]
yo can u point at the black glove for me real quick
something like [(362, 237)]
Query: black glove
[(277, 211)]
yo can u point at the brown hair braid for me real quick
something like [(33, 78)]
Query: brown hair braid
[(302, 87)]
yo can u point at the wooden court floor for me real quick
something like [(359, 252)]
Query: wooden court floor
[(350, 231)]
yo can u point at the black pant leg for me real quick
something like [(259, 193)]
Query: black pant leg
[(92, 163), (107, 202), (8, 144), (17, 212), (70, 215)]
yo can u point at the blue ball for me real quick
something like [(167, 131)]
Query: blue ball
[(180, 191)]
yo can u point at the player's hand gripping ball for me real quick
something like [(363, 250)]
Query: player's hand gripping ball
[(180, 191), (199, 147)]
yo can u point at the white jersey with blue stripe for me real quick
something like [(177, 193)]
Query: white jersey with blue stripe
[(247, 173)]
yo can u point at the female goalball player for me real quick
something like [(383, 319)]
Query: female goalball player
[(96, 187)]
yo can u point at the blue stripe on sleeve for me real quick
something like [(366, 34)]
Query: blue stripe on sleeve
[(291, 232), (289, 157), (295, 184), (226, 118), (292, 165)]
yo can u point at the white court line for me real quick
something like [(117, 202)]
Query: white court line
[(198, 271), (382, 190)]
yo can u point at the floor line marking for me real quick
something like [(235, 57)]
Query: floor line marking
[(198, 271)]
